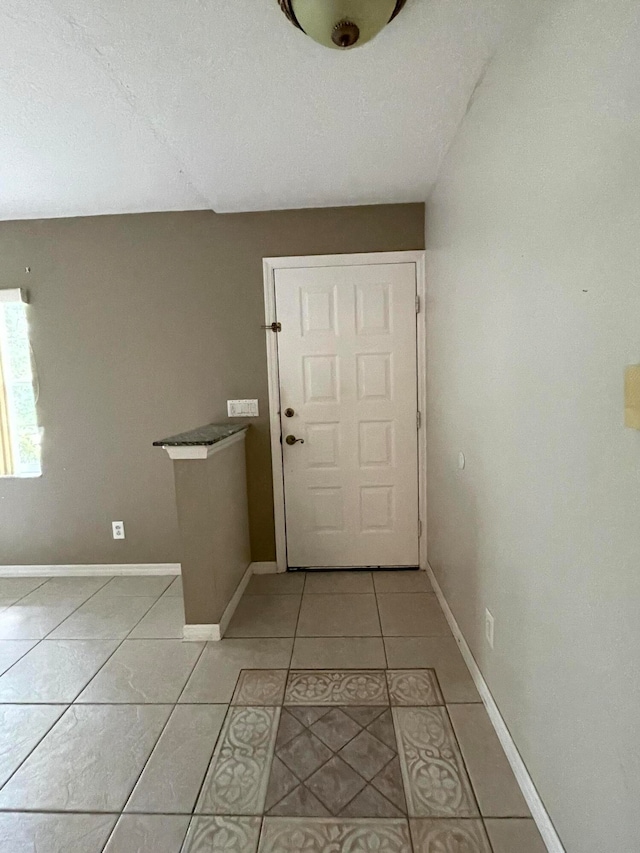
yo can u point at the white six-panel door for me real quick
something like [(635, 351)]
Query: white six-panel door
[(348, 371)]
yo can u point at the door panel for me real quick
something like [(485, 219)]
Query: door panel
[(347, 367)]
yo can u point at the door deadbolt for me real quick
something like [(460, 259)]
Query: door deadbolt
[(289, 413), (291, 439)]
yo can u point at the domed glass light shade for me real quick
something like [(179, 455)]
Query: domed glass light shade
[(341, 24)]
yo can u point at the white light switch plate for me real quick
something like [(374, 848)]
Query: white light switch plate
[(242, 408)]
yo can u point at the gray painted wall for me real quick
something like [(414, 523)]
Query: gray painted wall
[(534, 310), (143, 326), (211, 499)]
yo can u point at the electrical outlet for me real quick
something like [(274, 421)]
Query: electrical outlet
[(488, 627), (117, 529)]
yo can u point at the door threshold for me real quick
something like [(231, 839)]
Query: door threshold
[(353, 568)]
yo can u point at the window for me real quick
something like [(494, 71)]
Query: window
[(19, 431)]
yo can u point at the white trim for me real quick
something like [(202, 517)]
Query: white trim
[(531, 795), (203, 451), (421, 334), (90, 570), (359, 259), (215, 631), (201, 633), (269, 268), (270, 265), (264, 568), (15, 294)]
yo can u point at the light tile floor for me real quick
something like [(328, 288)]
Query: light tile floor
[(337, 715)]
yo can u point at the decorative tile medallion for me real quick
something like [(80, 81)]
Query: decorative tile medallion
[(413, 687), (435, 781), (236, 782), (449, 836), (260, 687), (346, 687), (336, 761), (291, 835), (232, 834)]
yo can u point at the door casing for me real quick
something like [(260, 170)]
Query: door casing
[(270, 265)]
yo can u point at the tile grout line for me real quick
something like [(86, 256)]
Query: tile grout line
[(486, 832), (95, 675), (24, 654), (193, 813), (295, 630), (464, 763), (162, 730), (137, 779), (36, 745), (67, 705), (382, 636), (39, 640), (188, 678), (324, 763), (213, 750), (75, 610)]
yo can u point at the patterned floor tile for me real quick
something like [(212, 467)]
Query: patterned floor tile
[(382, 728), (334, 761), (370, 803), (442, 836), (260, 687), (292, 835), (336, 729), (217, 834), (335, 687), (308, 715), (413, 687), (300, 802), (364, 716), (439, 653), (281, 782), (289, 727), (389, 783), (335, 784), (366, 754), (304, 754), (236, 783), (435, 780)]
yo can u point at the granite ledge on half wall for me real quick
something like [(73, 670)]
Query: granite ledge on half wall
[(204, 436)]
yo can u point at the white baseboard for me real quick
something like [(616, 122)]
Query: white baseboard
[(201, 633), (265, 568), (215, 631), (90, 570), (531, 795)]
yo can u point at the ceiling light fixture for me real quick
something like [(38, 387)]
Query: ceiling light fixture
[(341, 24)]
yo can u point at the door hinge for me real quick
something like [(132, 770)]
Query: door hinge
[(418, 419), (275, 327), (417, 304), (419, 528)]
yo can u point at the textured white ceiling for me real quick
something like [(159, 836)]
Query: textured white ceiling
[(140, 105)]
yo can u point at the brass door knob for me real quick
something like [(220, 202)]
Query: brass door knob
[(291, 439)]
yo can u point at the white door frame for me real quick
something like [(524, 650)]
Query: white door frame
[(270, 265)]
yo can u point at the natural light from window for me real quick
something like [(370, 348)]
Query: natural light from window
[(19, 431)]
